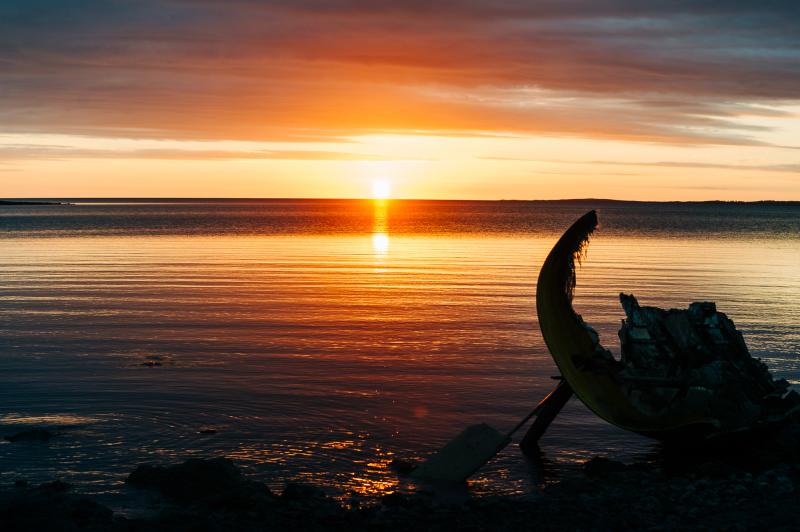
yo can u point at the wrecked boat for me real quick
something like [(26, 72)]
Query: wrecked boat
[(683, 375)]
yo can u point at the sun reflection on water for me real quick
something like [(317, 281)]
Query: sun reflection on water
[(380, 244), (47, 419), (380, 229)]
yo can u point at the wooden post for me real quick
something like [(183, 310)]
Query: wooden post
[(551, 406)]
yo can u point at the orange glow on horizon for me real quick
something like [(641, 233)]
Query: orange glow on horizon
[(389, 166)]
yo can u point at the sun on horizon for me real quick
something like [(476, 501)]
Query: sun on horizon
[(381, 189)]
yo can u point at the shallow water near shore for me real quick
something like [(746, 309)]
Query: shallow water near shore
[(314, 341)]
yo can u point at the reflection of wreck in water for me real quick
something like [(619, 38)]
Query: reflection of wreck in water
[(683, 374)]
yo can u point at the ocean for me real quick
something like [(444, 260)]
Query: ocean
[(316, 340)]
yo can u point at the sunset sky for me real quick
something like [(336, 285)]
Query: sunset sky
[(447, 99)]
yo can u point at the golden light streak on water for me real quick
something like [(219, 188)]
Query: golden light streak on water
[(380, 229)]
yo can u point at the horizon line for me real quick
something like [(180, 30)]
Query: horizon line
[(245, 198)]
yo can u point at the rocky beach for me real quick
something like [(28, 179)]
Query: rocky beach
[(750, 483)]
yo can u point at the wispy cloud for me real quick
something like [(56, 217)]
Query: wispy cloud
[(49, 152), (195, 69), (791, 168)]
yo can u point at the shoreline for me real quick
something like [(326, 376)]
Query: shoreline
[(749, 486)]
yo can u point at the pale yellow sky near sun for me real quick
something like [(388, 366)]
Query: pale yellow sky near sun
[(415, 166)]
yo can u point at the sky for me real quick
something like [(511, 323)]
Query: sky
[(657, 100)]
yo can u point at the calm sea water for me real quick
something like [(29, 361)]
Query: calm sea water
[(320, 339)]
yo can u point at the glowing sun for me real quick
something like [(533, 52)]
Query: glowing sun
[(381, 189)]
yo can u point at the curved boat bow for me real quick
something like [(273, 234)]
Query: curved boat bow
[(592, 371)]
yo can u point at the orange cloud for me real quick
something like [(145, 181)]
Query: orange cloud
[(277, 70)]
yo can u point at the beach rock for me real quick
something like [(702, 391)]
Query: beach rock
[(155, 361), (403, 467), (308, 501), (41, 435), (395, 500), (57, 486), (214, 480), (613, 497), (50, 508), (295, 491), (602, 467)]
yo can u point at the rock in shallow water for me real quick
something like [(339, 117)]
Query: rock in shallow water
[(197, 480), (402, 467), (602, 467), (42, 435), (295, 491)]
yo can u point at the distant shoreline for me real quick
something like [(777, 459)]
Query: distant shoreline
[(22, 202)]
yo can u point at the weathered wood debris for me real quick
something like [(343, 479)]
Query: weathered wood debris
[(698, 358)]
